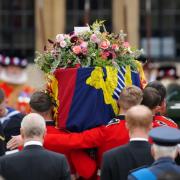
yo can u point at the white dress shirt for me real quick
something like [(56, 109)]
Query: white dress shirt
[(33, 143), (139, 139)]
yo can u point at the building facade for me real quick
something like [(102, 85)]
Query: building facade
[(25, 25)]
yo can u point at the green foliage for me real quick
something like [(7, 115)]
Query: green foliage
[(89, 48)]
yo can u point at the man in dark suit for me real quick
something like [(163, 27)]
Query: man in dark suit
[(164, 151), (2, 141), (119, 161), (34, 162), (10, 119)]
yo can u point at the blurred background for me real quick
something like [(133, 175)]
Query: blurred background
[(154, 25)]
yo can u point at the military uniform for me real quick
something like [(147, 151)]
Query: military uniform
[(2, 141), (56, 140), (13, 81), (116, 134), (104, 138), (18, 96), (162, 136), (73, 144), (11, 123), (159, 120), (160, 166)]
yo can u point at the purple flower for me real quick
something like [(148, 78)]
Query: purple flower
[(94, 38)]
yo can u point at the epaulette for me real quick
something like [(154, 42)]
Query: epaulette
[(113, 121), (169, 119), (164, 121), (143, 173)]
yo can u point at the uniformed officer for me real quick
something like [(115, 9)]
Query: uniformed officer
[(13, 80), (164, 151), (154, 100)]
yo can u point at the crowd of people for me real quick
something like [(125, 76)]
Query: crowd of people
[(139, 143)]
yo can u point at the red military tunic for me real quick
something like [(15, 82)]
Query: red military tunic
[(116, 134), (163, 121), (51, 129), (18, 96), (70, 145), (105, 138)]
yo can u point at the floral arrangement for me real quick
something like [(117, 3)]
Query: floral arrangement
[(87, 49)]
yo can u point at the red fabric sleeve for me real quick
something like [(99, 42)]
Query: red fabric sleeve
[(86, 139)]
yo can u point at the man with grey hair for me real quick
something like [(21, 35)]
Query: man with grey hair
[(34, 162), (164, 151)]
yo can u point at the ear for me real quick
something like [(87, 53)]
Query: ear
[(152, 152), (163, 107), (157, 109), (150, 127), (22, 133), (45, 133), (177, 152), (126, 124)]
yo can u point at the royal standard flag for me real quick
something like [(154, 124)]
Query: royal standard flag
[(87, 97)]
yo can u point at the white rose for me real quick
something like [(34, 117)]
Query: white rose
[(63, 44)]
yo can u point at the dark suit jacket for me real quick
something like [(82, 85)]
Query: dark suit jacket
[(11, 126), (34, 163), (2, 141), (119, 161)]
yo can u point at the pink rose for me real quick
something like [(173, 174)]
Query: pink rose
[(104, 44), (84, 51), (126, 44), (104, 54), (63, 44), (94, 38), (59, 37), (115, 47), (77, 49), (84, 44)]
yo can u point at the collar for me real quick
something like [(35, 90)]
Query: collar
[(121, 117), (29, 143), (138, 139), (164, 159), (9, 113), (14, 79)]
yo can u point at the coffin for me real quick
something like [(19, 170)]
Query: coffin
[(87, 97)]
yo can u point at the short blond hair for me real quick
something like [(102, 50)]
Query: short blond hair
[(139, 117), (130, 96)]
